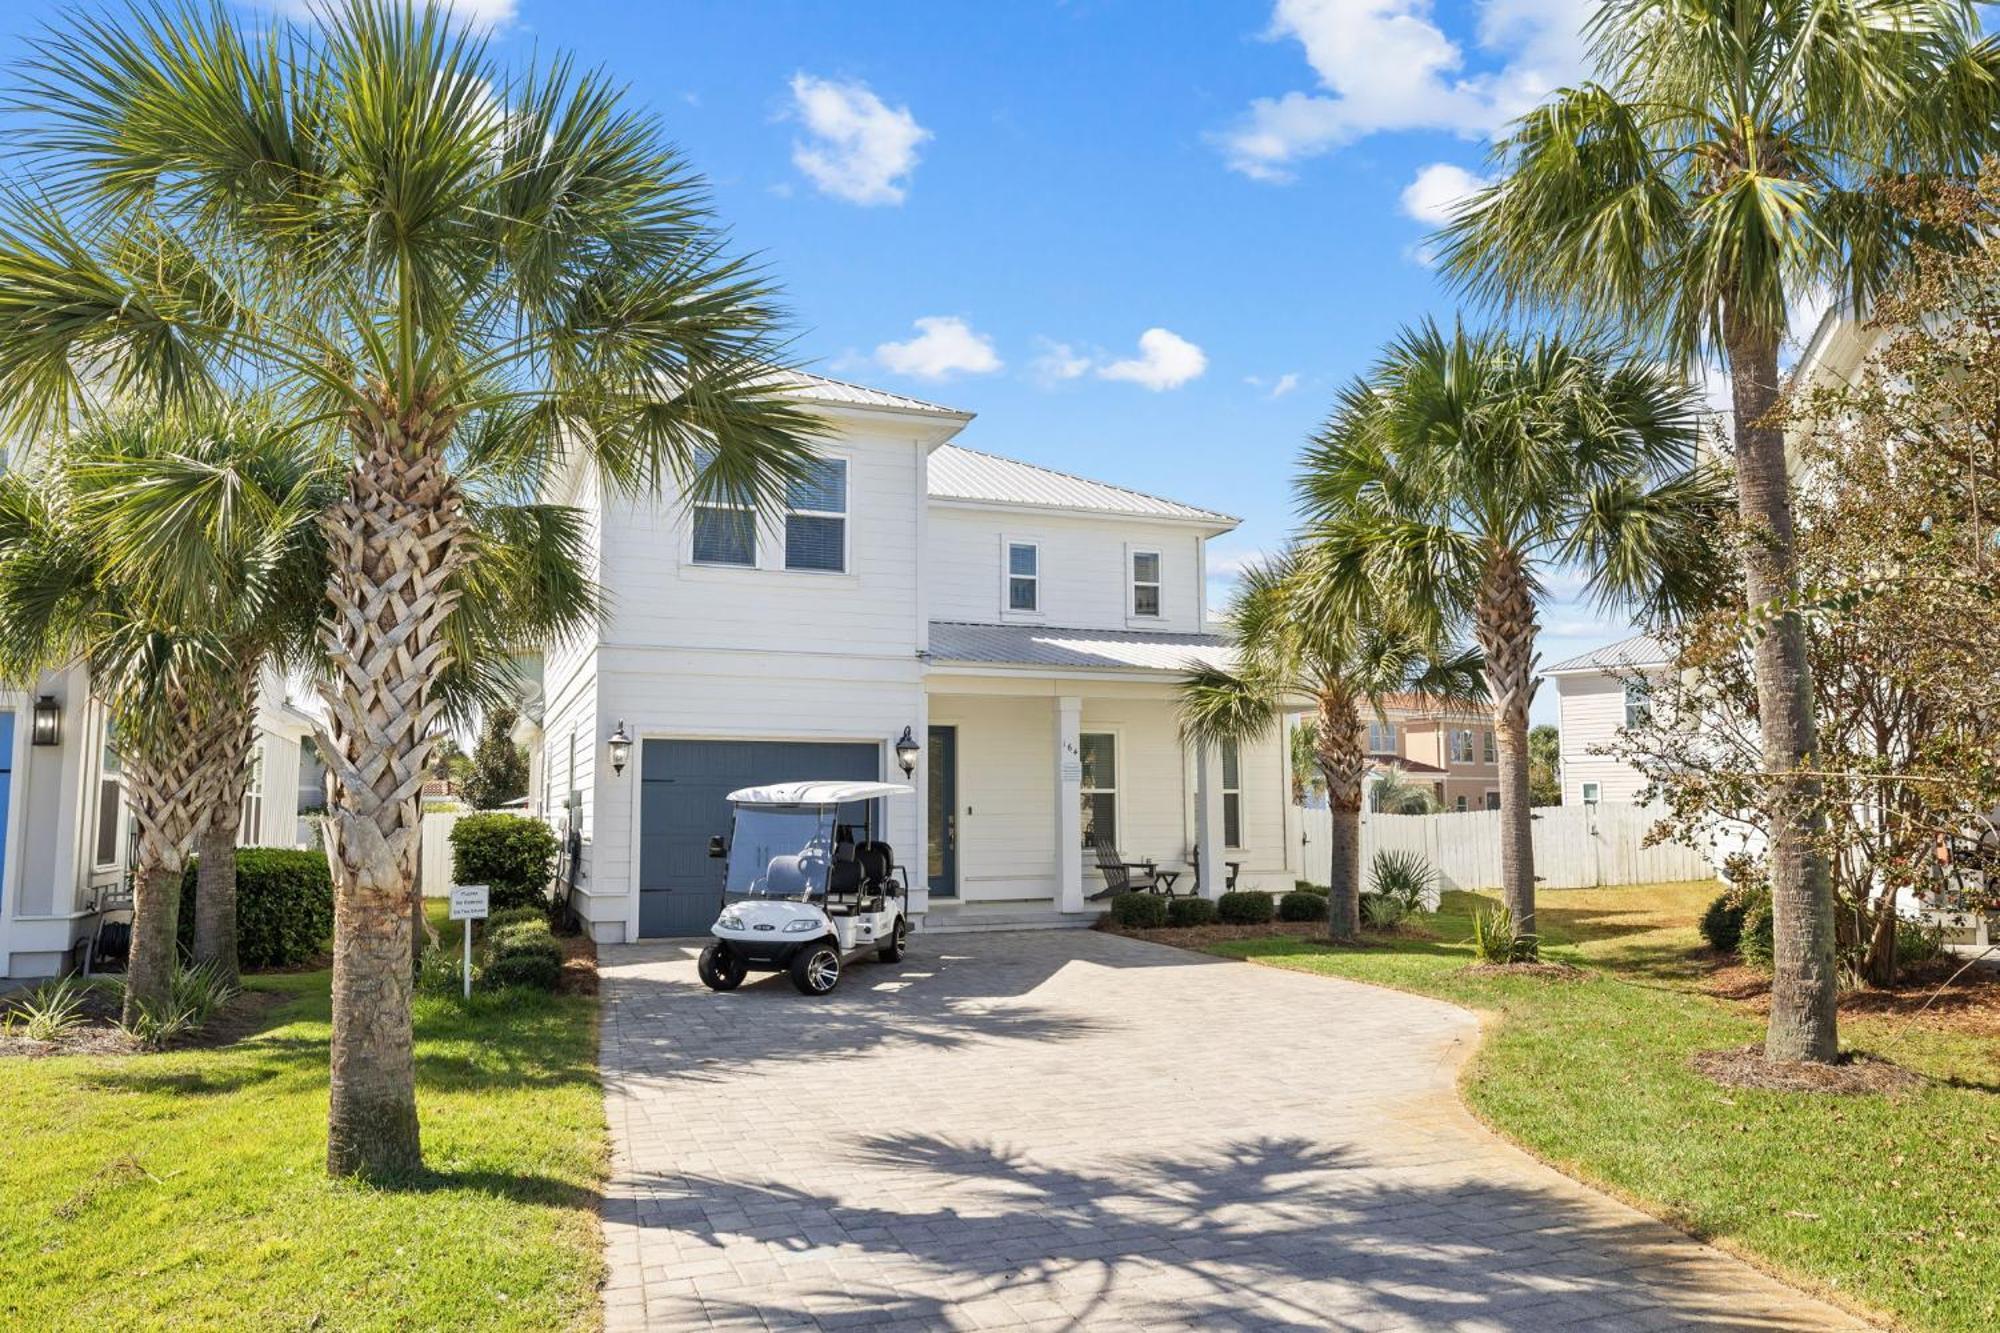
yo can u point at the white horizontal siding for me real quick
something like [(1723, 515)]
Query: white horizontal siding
[(1591, 712), (1085, 581)]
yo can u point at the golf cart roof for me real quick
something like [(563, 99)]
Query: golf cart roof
[(818, 793)]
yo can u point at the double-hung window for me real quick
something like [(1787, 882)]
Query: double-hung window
[(1146, 583), (1461, 746), (816, 517), (1638, 703), (1099, 752), (725, 528), (1381, 737), (250, 831), (110, 802), (1024, 577), (1232, 795), (1488, 752)]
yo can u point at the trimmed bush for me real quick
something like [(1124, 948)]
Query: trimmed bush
[(1722, 923), (284, 907), (514, 916), (1302, 905), (1190, 911), (1755, 946), (1140, 910), (512, 855), (521, 953), (1244, 907)]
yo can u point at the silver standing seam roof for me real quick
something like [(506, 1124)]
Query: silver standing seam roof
[(957, 473), (821, 389), (1641, 650), (1100, 649)]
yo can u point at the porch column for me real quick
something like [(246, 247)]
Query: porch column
[(1208, 819), (1069, 804)]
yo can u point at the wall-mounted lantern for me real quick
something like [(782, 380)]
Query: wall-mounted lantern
[(621, 748), (48, 721), (907, 750)]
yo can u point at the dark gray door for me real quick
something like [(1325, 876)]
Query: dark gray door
[(943, 798), (682, 804)]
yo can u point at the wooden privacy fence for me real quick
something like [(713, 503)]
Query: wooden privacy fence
[(434, 871), (1576, 846)]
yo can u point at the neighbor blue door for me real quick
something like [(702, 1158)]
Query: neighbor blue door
[(683, 792)]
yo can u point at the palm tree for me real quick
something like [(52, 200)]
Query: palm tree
[(1467, 467), (1395, 794), (370, 220), (1717, 173), (1287, 648)]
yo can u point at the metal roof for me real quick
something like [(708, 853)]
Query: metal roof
[(821, 389), (1089, 649), (957, 473), (1641, 650), (818, 793)]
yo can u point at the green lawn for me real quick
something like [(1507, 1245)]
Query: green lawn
[(1895, 1202), (187, 1190)]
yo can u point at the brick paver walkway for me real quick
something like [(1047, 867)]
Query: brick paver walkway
[(1070, 1130)]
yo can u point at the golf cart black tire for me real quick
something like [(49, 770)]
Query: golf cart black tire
[(720, 969), (801, 969), (892, 949)]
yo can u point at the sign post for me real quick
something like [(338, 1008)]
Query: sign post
[(468, 904)]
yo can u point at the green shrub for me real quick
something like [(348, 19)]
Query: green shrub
[(1302, 905), (1383, 911), (1722, 923), (49, 1012), (1139, 910), (1244, 907), (1755, 945), (1494, 940), (1190, 911), (520, 953), (512, 855), (1307, 886), (1405, 876), (1917, 942), (284, 907), (513, 916), (438, 971)]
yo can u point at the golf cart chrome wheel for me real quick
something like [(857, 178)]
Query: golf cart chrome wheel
[(891, 949), (720, 968), (816, 970)]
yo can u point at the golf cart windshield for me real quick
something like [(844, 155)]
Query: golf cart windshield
[(780, 851)]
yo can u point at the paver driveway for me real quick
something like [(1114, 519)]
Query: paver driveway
[(1066, 1129)]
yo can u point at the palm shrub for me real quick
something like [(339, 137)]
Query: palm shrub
[(448, 263), (51, 1011), (1396, 793), (1404, 876), (1468, 467), (1712, 175), (1290, 639), (1384, 911), (1497, 940)]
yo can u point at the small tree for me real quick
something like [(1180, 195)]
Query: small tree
[(1545, 766), (498, 771)]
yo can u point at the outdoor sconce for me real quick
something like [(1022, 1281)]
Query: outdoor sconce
[(906, 752), (621, 748), (48, 721)]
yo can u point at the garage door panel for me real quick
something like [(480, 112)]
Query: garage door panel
[(683, 803)]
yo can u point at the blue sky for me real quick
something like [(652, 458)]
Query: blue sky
[(1145, 240)]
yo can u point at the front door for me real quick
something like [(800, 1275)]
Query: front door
[(683, 801), (943, 812)]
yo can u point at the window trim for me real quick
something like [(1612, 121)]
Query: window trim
[(1451, 744), (1133, 583), (1464, 807), (695, 506), (249, 830), (1489, 747), (1644, 701), (1230, 793), (1592, 793), (1492, 799), (1382, 728), (110, 780), (1117, 790), (845, 514), (1008, 542)]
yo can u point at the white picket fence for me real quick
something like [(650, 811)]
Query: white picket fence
[(434, 871), (1576, 846)]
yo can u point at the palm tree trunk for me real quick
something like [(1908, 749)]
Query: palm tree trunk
[(395, 539), (215, 874), (1342, 763), (1803, 986), (1504, 623), (164, 776)]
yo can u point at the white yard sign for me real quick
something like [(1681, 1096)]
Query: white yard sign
[(468, 904)]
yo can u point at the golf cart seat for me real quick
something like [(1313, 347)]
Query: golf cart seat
[(785, 875), (844, 877), (878, 863)]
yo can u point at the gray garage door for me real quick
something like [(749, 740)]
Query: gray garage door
[(682, 805)]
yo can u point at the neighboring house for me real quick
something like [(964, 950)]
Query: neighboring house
[(65, 833), (1450, 748), (1024, 627), (1598, 694)]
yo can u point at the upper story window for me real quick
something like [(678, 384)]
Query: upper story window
[(1461, 746), (816, 517), (1487, 752), (1024, 576), (1638, 703), (1145, 583), (725, 532), (1381, 737)]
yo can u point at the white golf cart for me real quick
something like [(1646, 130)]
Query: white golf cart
[(802, 892)]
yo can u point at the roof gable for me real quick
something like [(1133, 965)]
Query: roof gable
[(967, 475)]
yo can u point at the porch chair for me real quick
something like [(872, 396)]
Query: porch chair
[(1122, 876)]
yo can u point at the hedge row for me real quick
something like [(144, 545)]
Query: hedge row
[(284, 907)]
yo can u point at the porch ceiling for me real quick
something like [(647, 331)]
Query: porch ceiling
[(1073, 649)]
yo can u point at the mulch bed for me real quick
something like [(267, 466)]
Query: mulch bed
[(579, 970), (1550, 971), (1850, 1076), (1926, 995), (1196, 937), (99, 1033)]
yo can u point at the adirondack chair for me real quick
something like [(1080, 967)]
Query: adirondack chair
[(1122, 876)]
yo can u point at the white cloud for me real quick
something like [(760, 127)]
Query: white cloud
[(1434, 195), (1165, 361), (1058, 362), (1274, 388), (860, 149), (945, 345), (1385, 65)]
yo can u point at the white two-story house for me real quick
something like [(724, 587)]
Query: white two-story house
[(1024, 627)]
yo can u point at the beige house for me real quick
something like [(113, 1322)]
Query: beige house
[(1451, 749)]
